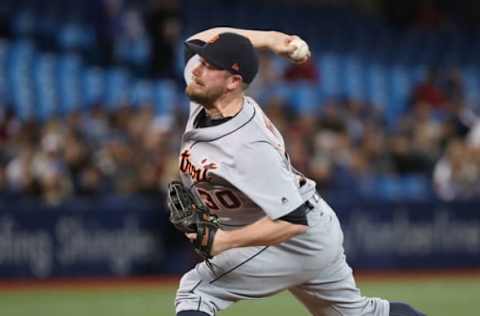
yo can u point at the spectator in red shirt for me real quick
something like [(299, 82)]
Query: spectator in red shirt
[(429, 91)]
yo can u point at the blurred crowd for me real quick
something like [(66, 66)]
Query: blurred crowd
[(343, 145), (129, 151), (348, 144)]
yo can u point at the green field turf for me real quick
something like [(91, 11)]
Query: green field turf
[(437, 297)]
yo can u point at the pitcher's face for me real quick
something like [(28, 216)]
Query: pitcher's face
[(208, 83)]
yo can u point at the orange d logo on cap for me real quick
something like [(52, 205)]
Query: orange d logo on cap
[(214, 39)]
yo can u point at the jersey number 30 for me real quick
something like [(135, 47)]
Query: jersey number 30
[(225, 198)]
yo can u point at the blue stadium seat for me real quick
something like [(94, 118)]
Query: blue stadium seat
[(415, 187), (4, 91), (19, 76), (304, 97), (400, 85), (390, 188), (75, 36), (417, 73), (134, 52), (397, 188), (279, 90), (46, 92), (329, 67), (93, 85), (354, 80), (69, 70), (165, 98), (471, 81), (376, 85), (142, 92), (117, 87)]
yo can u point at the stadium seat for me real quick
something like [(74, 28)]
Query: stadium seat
[(75, 36), (117, 87), (304, 97), (165, 98), (46, 92), (329, 66), (69, 72), (376, 85), (19, 65), (471, 78), (142, 92), (4, 91), (399, 86), (354, 81), (415, 187), (93, 83)]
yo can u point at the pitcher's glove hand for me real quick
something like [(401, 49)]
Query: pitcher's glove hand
[(190, 215)]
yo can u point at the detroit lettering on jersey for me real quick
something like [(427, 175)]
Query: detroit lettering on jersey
[(198, 174)]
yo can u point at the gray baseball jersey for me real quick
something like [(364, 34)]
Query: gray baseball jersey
[(241, 171)]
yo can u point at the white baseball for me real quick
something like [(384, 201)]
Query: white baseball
[(301, 52)]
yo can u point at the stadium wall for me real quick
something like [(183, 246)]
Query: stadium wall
[(132, 237)]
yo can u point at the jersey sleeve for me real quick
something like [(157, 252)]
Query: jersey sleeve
[(262, 174)]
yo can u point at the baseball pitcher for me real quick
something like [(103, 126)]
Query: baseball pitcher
[(259, 223)]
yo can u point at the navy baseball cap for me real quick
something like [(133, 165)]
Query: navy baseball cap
[(231, 52)]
